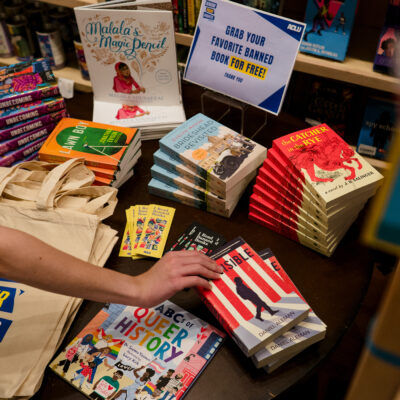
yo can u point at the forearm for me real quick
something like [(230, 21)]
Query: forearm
[(28, 260)]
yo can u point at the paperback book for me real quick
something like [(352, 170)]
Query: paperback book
[(250, 301), (130, 53), (101, 145), (138, 353), (218, 154), (301, 336)]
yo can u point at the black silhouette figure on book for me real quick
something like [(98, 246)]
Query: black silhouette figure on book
[(248, 294)]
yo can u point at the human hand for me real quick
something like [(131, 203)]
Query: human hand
[(136, 91), (175, 271), (142, 89)]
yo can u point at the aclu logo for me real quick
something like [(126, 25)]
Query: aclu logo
[(295, 28), (209, 12)]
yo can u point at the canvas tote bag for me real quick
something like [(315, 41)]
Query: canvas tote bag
[(56, 204)]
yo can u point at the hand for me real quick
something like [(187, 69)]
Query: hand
[(136, 91), (142, 89), (175, 271)]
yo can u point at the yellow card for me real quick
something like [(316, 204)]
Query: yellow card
[(155, 231), (140, 212), (126, 244)]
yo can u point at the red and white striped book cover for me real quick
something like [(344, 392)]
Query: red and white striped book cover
[(251, 302)]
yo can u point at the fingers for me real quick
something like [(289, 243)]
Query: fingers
[(191, 281), (198, 269), (185, 257)]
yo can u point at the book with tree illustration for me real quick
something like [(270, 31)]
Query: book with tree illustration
[(131, 57), (138, 353)]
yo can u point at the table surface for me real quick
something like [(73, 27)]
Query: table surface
[(334, 287)]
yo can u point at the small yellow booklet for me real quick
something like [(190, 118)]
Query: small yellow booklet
[(139, 219), (126, 244), (155, 231)]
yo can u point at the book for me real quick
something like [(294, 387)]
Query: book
[(220, 155), (326, 164), (250, 301), (101, 145), (329, 26), (23, 112), (131, 58), (307, 332), (139, 218), (199, 238), (138, 353), (377, 127)]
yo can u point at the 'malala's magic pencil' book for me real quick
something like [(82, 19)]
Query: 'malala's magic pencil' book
[(131, 56), (251, 301), (134, 353)]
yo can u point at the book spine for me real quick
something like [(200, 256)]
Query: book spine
[(21, 140), (33, 95), (175, 10), (181, 12), (191, 16)]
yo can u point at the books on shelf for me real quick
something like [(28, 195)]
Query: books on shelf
[(377, 127), (312, 187), (105, 148), (329, 26), (205, 164), (131, 57), (251, 301), (139, 353)]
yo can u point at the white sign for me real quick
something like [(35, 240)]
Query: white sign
[(244, 53)]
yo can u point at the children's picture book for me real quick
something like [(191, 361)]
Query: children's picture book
[(305, 333), (329, 26), (134, 353), (252, 303), (101, 145), (326, 164), (378, 126), (220, 155), (245, 53), (130, 53)]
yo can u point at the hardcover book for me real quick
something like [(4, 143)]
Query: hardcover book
[(131, 57), (138, 353), (326, 164), (101, 145), (329, 25), (250, 301), (220, 155), (305, 333), (377, 128)]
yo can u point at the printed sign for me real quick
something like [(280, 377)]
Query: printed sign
[(244, 53)]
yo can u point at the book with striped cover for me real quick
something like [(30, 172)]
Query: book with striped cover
[(252, 303)]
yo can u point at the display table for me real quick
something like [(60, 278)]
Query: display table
[(334, 287)]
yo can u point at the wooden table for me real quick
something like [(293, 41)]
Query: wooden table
[(334, 287)]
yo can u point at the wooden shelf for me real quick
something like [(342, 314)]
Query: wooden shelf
[(70, 73), (352, 70)]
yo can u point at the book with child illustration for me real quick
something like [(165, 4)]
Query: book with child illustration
[(128, 353), (131, 57)]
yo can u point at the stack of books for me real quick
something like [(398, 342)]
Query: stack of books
[(204, 164), (255, 300), (311, 188), (109, 151), (30, 107)]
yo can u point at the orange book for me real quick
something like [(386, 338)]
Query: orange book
[(102, 145)]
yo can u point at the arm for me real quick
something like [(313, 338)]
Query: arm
[(25, 259)]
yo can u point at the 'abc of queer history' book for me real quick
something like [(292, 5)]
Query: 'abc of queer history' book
[(134, 353)]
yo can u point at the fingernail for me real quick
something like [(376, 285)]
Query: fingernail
[(220, 269)]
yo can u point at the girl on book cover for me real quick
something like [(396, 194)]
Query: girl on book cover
[(123, 81), (127, 111)]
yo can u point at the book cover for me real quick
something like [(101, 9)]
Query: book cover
[(155, 231), (32, 124), (309, 331), (101, 145), (23, 112), (326, 164), (125, 249), (329, 25), (250, 301), (220, 155), (377, 128), (131, 57), (134, 353)]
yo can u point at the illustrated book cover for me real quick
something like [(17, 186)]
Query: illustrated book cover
[(329, 26), (250, 301), (326, 164), (218, 154), (378, 126), (101, 145), (132, 353), (131, 56), (307, 332)]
